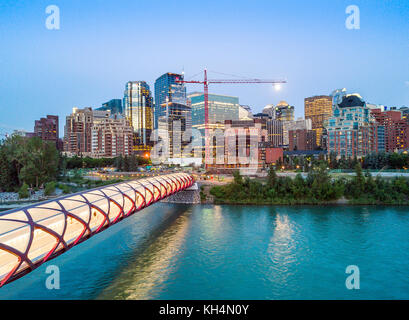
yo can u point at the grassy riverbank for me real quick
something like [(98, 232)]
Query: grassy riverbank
[(318, 188)]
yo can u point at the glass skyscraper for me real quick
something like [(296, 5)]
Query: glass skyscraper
[(168, 90), (284, 112), (220, 107), (138, 109), (176, 125), (113, 105)]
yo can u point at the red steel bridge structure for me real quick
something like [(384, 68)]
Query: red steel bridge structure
[(33, 235)]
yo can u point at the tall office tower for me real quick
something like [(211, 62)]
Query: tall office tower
[(111, 137), (274, 127), (352, 131), (275, 132), (138, 110), (318, 109), (176, 126), (269, 110), (47, 129), (167, 89), (220, 109), (77, 130), (284, 112), (113, 105)]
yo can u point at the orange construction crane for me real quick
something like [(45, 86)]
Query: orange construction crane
[(206, 83)]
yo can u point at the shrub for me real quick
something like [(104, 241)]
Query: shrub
[(23, 192), (65, 189), (49, 188)]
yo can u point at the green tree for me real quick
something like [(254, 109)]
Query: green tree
[(272, 177), (39, 161)]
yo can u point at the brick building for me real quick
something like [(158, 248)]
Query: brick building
[(396, 129), (302, 139)]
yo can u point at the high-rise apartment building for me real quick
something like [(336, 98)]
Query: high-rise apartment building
[(95, 133), (111, 137), (396, 129), (167, 89), (318, 109), (47, 129), (352, 132), (138, 110), (302, 139), (77, 130)]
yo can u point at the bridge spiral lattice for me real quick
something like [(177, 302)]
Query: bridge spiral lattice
[(32, 235)]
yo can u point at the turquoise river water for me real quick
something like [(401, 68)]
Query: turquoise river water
[(170, 251)]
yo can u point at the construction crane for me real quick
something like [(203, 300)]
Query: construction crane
[(206, 83)]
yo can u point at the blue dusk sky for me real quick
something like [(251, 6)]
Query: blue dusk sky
[(103, 44)]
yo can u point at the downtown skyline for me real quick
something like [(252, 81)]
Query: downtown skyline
[(85, 63)]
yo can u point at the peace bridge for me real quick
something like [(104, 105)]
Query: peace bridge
[(30, 236)]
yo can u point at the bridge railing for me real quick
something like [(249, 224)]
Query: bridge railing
[(32, 235)]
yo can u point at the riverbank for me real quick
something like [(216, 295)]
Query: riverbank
[(285, 202), (317, 188)]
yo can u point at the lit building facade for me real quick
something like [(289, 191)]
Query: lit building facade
[(274, 127), (47, 129), (318, 109), (111, 137), (176, 127), (77, 130), (302, 139), (396, 129), (138, 110), (284, 112), (352, 132), (220, 108), (167, 89)]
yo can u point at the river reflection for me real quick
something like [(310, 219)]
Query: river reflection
[(145, 275)]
